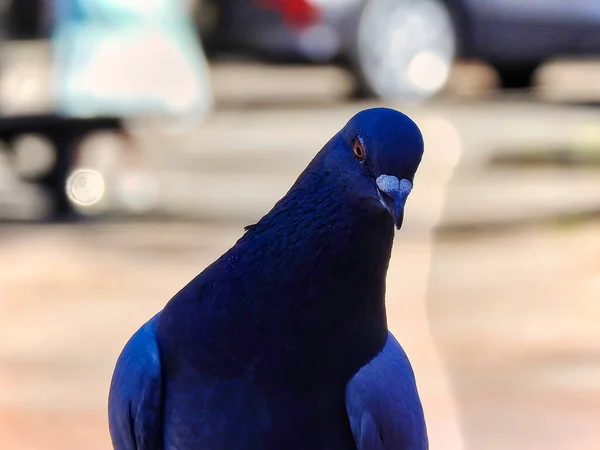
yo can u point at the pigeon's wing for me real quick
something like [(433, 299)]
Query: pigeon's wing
[(383, 404), (135, 397)]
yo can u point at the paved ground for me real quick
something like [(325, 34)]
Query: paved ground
[(502, 326), (263, 150), (513, 315)]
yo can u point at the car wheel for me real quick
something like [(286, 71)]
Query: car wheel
[(516, 76), (404, 48)]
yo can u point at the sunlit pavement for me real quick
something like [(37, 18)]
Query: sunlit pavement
[(236, 164), (513, 317), (501, 326)]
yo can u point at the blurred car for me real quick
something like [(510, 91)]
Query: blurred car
[(404, 48)]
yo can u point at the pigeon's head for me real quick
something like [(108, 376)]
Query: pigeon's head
[(377, 154)]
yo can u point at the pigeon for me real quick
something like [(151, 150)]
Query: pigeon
[(282, 342)]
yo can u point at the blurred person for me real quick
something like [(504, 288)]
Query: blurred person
[(129, 58)]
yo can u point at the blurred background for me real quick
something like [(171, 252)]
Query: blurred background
[(138, 137)]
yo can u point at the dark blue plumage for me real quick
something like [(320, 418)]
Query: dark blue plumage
[(282, 343)]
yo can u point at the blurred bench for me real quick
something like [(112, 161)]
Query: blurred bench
[(64, 133)]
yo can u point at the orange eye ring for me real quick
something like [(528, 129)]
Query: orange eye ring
[(358, 149)]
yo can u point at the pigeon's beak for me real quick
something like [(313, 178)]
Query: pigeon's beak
[(393, 194)]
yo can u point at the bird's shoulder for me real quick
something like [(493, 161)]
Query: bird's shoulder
[(383, 405), (135, 396)]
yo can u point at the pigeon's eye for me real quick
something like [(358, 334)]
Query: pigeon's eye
[(358, 149)]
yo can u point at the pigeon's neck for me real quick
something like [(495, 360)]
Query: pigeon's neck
[(305, 286), (318, 251)]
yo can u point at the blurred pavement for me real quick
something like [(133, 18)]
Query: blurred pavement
[(502, 326)]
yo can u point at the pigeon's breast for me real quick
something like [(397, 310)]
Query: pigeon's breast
[(236, 414)]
